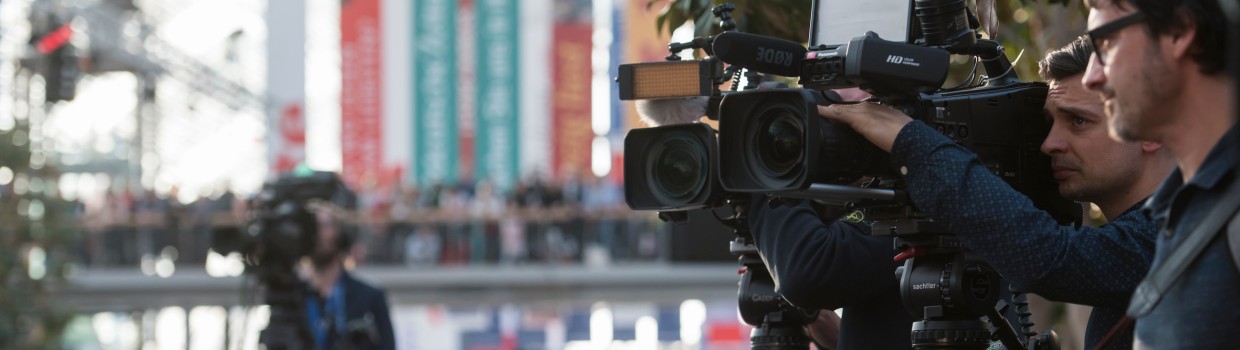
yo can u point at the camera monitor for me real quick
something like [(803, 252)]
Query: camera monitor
[(835, 22)]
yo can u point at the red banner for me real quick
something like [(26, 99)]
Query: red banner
[(361, 93), (292, 137), (467, 87), (643, 43), (570, 98)]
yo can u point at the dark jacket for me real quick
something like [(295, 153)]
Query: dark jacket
[(368, 322), (819, 265), (1199, 311)]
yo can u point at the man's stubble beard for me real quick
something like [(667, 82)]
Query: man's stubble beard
[(1132, 117), (323, 260)]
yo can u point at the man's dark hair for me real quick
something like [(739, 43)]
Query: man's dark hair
[(1169, 16), (1066, 61)]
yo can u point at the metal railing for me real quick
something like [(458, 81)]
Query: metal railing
[(556, 235)]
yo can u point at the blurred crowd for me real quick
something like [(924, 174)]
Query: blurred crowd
[(581, 220)]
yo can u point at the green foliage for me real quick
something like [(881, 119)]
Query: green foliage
[(1034, 26), (787, 19), (1037, 27), (37, 228)]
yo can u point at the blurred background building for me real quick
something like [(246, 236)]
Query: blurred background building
[(482, 136)]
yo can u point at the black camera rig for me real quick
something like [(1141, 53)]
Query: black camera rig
[(281, 228), (772, 141)]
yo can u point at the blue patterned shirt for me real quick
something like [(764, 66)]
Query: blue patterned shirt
[(1201, 310), (1092, 266)]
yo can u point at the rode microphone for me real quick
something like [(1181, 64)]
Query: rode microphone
[(759, 53)]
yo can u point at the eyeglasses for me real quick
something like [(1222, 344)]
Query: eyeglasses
[(1097, 35)]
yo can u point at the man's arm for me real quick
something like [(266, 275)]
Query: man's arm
[(1092, 266), (819, 265)]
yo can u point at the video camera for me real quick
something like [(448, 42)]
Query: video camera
[(772, 141), (282, 228)]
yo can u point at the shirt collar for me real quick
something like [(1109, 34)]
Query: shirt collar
[(1136, 207), (1161, 199), (1219, 163), (1221, 160)]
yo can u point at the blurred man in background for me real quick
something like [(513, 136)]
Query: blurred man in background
[(344, 313)]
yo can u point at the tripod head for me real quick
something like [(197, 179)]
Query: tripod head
[(777, 324), (954, 294)]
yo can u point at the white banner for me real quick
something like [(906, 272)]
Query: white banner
[(286, 84)]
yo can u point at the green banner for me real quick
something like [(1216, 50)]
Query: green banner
[(434, 87), (497, 127)]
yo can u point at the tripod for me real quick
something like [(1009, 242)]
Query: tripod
[(287, 328), (950, 290), (777, 324)]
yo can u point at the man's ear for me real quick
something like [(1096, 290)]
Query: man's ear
[(1180, 40), (1150, 147)]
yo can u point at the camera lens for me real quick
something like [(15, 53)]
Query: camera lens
[(781, 141), (945, 22), (679, 169), (672, 167), (774, 141)]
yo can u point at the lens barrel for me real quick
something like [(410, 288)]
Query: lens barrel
[(776, 141), (780, 143), (944, 23), (678, 168), (671, 167)]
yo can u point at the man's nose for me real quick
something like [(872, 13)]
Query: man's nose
[(1094, 77), (1053, 142)]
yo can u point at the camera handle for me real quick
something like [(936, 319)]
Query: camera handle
[(999, 71), (724, 13)]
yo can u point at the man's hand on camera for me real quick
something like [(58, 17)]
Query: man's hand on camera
[(825, 330), (877, 123)]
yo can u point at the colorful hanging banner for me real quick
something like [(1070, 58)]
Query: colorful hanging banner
[(642, 43), (497, 62), (286, 85), (467, 87), (570, 98), (361, 92), (435, 108)]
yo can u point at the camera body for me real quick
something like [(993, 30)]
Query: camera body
[(283, 228), (772, 141), (280, 227)]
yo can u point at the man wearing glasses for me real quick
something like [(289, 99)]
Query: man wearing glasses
[(1159, 68)]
